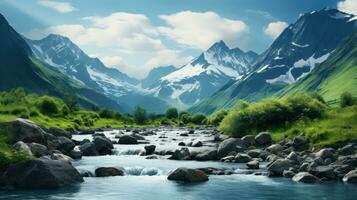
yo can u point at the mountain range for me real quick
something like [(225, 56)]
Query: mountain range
[(298, 50), (204, 75)]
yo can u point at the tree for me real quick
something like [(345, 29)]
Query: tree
[(198, 118), (140, 115), (171, 113), (347, 99), (72, 102)]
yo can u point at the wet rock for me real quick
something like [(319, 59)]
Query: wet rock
[(89, 149), (254, 153), (59, 156), (304, 167), (38, 150), (305, 177), (278, 166), (228, 158), (197, 144), (242, 158), (21, 146), (188, 175), (288, 174), (294, 158), (24, 130), (184, 134), (149, 149), (325, 153), (151, 157), (183, 154), (75, 154), (86, 173), (324, 172), (191, 132), (254, 164), (182, 144), (108, 171), (137, 136), (263, 138), (60, 132), (103, 145), (298, 142), (248, 140), (350, 177), (275, 148), (346, 150), (228, 146), (65, 144), (127, 139), (42, 174), (207, 155)]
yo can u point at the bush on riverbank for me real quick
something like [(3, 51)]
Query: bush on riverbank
[(271, 113)]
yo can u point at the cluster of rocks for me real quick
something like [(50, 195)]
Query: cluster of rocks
[(52, 151)]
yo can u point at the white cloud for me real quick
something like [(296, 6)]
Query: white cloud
[(62, 7), (124, 31), (348, 6), (167, 57), (274, 29), (112, 61), (200, 30)]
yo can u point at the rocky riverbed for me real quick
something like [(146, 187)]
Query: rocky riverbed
[(173, 155)]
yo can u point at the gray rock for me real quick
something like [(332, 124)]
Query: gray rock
[(24, 130), (38, 150), (293, 157), (42, 174), (103, 145), (197, 144), (65, 144), (350, 177), (275, 148), (228, 158), (75, 154), (254, 153), (263, 138), (298, 141), (254, 164), (242, 158), (89, 149), (187, 175), (324, 172), (248, 140), (346, 150), (183, 154), (150, 149), (151, 157), (304, 167), (127, 139), (305, 177), (21, 146), (60, 132), (184, 134), (207, 155), (325, 153), (288, 174), (108, 171), (59, 156), (182, 144), (228, 146), (278, 166)]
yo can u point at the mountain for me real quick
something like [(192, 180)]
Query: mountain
[(204, 75), (19, 68), (155, 74), (292, 56), (70, 60), (331, 78)]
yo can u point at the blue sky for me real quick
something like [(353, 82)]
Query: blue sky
[(137, 35)]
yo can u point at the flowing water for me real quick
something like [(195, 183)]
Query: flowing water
[(147, 178)]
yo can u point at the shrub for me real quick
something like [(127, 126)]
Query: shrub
[(185, 118), (216, 118), (65, 110), (198, 118), (47, 105), (171, 113), (19, 111), (34, 113), (11, 157), (140, 115), (271, 113), (106, 113), (347, 99)]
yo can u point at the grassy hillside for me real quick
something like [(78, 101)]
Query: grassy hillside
[(331, 78)]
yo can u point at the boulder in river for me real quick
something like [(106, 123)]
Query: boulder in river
[(59, 156), (65, 144), (60, 132), (228, 146), (207, 155), (182, 154), (254, 164), (42, 174), (103, 145), (325, 153), (150, 149), (187, 175), (108, 171), (305, 177), (242, 158), (89, 149), (350, 177), (127, 139), (197, 144), (24, 130), (248, 140), (263, 138), (277, 167)]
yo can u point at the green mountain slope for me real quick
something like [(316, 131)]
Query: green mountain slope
[(18, 68), (331, 78)]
